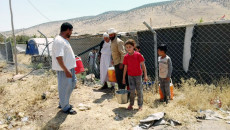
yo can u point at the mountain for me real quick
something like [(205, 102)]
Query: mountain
[(169, 13)]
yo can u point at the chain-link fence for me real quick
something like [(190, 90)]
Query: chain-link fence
[(197, 51), (6, 52), (83, 46)]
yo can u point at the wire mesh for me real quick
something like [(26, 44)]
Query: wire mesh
[(210, 51), (83, 46)]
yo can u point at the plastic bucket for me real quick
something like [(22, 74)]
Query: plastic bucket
[(80, 66), (122, 96), (111, 74)]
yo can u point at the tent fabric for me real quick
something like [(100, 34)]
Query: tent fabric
[(21, 48), (31, 48), (187, 47), (41, 45)]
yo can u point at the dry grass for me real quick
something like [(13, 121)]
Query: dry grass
[(24, 95), (21, 96), (190, 98), (24, 59), (198, 96), (2, 64), (24, 62)]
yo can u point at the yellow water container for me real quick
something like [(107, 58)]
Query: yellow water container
[(111, 74)]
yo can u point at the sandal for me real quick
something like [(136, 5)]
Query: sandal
[(130, 107), (71, 106), (70, 111)]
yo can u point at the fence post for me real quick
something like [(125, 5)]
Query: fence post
[(47, 46), (15, 50), (155, 54), (5, 47)]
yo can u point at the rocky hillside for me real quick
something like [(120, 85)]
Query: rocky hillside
[(157, 14)]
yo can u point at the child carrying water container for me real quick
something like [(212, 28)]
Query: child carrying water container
[(165, 71), (133, 62)]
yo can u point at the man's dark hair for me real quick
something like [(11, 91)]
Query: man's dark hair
[(162, 47), (65, 26), (138, 47)]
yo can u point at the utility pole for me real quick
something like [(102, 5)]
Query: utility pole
[(14, 45)]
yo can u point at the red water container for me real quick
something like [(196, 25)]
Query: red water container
[(80, 66)]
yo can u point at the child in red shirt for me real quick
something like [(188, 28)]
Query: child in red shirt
[(133, 62)]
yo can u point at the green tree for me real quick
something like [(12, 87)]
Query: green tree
[(34, 36), (21, 39), (1, 38)]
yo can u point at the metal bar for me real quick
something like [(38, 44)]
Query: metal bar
[(149, 27), (82, 53), (155, 54), (47, 45), (192, 24)]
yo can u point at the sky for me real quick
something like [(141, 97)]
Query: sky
[(27, 13)]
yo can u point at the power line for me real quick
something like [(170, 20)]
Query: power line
[(38, 10)]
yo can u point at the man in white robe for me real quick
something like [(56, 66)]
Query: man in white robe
[(105, 60)]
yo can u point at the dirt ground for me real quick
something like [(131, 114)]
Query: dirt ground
[(24, 96)]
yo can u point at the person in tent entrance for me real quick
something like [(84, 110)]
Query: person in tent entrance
[(92, 60), (63, 61), (118, 53), (133, 62), (165, 71), (105, 55)]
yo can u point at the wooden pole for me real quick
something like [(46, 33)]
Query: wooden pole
[(14, 45)]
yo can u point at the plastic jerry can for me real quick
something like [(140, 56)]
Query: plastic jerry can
[(80, 66), (171, 91), (111, 74)]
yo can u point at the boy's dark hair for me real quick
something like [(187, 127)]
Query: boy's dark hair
[(130, 42), (138, 47), (162, 47), (65, 26)]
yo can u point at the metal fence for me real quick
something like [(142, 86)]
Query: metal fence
[(206, 58), (83, 46), (6, 52), (198, 51)]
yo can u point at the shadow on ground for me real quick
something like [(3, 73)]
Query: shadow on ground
[(122, 113), (55, 122), (157, 103), (103, 97)]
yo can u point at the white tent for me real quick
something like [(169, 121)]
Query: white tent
[(21, 48), (41, 44)]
